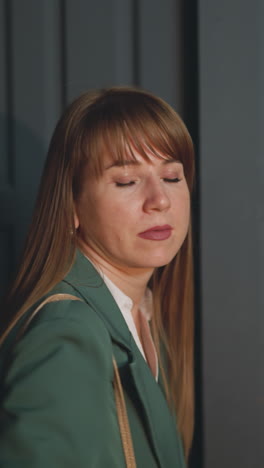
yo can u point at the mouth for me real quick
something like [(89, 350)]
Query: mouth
[(158, 233)]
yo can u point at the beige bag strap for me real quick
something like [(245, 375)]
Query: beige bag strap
[(53, 298), (123, 419), (118, 389)]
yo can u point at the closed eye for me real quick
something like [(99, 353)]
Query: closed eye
[(124, 184), (175, 180)]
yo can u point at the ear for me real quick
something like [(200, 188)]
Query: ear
[(76, 220)]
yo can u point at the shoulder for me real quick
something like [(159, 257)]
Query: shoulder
[(65, 333), (64, 311), (64, 304), (60, 371)]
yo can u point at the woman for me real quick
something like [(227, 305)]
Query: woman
[(111, 228)]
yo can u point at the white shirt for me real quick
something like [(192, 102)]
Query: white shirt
[(125, 305)]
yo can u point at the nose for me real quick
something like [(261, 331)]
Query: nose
[(156, 197)]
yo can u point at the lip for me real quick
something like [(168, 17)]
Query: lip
[(158, 233)]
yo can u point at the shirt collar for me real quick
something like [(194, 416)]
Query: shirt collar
[(123, 301)]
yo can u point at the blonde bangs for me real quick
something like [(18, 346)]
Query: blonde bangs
[(134, 123)]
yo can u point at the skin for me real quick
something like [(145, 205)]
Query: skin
[(125, 201)]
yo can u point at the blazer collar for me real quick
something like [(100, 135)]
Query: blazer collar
[(158, 417), (86, 280)]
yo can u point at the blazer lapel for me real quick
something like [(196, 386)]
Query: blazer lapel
[(135, 373), (160, 423), (90, 285)]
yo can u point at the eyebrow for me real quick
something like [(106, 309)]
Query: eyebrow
[(134, 162)]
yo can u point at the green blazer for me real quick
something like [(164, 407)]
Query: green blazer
[(58, 408)]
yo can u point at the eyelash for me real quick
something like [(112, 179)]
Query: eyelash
[(175, 180), (132, 182), (120, 184)]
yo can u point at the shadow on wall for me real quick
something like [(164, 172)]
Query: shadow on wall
[(22, 154)]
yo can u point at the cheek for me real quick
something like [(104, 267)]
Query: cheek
[(99, 218), (182, 204), (188, 212), (187, 208), (183, 213)]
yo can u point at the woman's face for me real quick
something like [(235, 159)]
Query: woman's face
[(136, 215)]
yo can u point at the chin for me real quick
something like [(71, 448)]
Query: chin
[(159, 261), (162, 263)]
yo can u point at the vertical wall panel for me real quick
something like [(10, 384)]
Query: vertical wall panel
[(6, 155), (90, 46), (120, 42), (36, 96), (260, 216), (160, 49), (30, 92), (98, 44), (3, 107), (52, 67), (232, 174), (37, 65), (4, 160), (124, 41)]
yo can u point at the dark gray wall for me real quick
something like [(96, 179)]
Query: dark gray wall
[(50, 52), (30, 103), (231, 63)]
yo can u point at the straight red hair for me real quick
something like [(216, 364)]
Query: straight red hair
[(115, 120)]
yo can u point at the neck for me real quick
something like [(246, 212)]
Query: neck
[(132, 281)]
